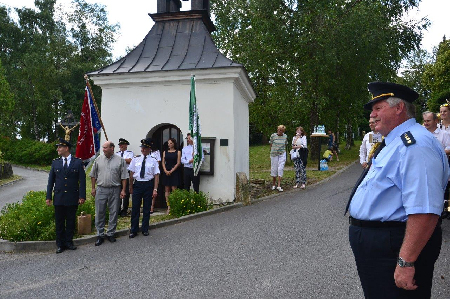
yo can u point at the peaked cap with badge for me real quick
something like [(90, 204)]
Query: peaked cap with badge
[(63, 142), (384, 90), (123, 142), (146, 143)]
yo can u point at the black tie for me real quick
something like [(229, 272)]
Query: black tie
[(143, 167), (121, 154), (364, 173), (65, 164)]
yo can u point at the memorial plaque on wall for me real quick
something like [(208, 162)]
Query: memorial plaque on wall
[(207, 167)]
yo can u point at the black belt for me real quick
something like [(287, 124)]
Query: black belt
[(375, 224)]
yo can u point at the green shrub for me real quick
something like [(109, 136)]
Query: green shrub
[(33, 220), (26, 151), (184, 202)]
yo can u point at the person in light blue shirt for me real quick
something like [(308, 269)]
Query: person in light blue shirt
[(396, 184), (394, 229)]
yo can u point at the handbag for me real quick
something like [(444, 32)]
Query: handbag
[(293, 153)]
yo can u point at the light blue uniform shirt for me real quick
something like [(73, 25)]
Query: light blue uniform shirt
[(403, 180)]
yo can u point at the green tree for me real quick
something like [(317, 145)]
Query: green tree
[(46, 53), (436, 77), (6, 104), (412, 76), (310, 61)]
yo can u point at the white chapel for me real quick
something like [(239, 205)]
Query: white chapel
[(146, 94)]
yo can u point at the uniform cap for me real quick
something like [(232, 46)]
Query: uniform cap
[(384, 90), (123, 141), (63, 142), (146, 143)]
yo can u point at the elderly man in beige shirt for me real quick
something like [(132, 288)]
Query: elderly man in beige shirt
[(110, 173)]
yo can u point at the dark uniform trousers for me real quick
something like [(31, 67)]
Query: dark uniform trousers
[(65, 223), (69, 186), (190, 178), (376, 251), (142, 191)]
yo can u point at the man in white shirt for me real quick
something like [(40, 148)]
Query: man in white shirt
[(430, 122), (144, 180), (127, 155), (367, 144), (187, 159)]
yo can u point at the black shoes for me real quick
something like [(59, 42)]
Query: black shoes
[(99, 241), (71, 247), (145, 233), (68, 247), (132, 235)]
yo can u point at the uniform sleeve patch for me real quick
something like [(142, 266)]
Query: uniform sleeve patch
[(408, 139)]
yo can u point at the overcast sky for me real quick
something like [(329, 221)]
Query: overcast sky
[(132, 15)]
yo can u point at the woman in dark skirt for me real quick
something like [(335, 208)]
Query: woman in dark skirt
[(299, 144), (171, 162)]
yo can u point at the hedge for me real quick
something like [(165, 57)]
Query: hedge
[(27, 151)]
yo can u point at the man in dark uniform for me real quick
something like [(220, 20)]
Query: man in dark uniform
[(68, 181), (394, 231), (144, 179), (127, 155)]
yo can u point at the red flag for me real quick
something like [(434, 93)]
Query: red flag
[(85, 143)]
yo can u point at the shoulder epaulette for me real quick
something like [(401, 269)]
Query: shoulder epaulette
[(128, 151), (138, 155), (57, 158), (408, 139)]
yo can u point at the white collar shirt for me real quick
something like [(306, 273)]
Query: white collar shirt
[(443, 137), (186, 155), (126, 154), (151, 168), (69, 158)]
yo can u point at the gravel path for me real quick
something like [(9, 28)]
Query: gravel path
[(32, 180)]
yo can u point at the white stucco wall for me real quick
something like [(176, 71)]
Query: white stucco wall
[(133, 104)]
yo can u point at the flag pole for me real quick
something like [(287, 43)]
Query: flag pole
[(95, 105)]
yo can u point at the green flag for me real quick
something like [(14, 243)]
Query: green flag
[(194, 128)]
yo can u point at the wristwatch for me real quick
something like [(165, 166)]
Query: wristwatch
[(402, 263)]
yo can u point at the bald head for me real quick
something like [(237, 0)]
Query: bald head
[(108, 149)]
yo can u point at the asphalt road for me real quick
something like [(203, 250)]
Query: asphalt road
[(294, 245), (31, 181)]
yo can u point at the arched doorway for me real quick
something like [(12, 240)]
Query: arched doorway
[(160, 135)]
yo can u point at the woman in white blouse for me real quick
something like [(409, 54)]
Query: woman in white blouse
[(299, 142)]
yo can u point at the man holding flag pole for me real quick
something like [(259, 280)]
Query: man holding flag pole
[(192, 153)]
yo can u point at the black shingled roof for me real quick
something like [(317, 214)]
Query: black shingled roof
[(172, 44)]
